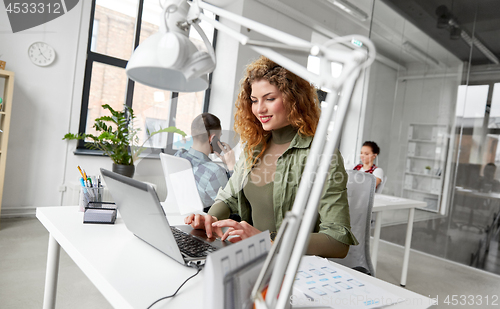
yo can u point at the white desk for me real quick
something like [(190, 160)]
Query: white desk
[(127, 271), (132, 274), (384, 202)]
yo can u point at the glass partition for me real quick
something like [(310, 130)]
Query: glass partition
[(435, 118), (431, 101)]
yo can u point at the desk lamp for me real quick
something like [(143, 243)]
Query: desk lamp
[(174, 65)]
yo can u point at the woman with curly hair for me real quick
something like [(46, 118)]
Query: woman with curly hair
[(277, 115)]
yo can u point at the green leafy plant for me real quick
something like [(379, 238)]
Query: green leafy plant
[(428, 167), (118, 138)]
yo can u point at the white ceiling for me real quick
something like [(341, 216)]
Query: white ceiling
[(386, 28)]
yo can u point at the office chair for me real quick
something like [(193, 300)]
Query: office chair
[(469, 210), (360, 195), (182, 193)]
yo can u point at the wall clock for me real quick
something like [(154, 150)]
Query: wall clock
[(41, 54)]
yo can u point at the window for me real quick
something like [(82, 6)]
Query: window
[(117, 27)]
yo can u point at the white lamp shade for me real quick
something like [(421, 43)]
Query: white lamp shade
[(154, 65)]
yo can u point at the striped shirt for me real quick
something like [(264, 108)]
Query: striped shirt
[(209, 176)]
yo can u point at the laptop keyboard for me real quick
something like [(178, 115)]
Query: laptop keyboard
[(190, 245)]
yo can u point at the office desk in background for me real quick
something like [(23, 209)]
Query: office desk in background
[(384, 202), (131, 274)]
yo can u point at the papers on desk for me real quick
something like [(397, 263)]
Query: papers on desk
[(320, 283)]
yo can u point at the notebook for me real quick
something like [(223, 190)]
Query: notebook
[(143, 215)]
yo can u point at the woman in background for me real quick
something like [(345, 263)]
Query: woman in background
[(277, 115), (369, 152)]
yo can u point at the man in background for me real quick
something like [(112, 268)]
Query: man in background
[(209, 176), (488, 183)]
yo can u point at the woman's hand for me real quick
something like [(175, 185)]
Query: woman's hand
[(242, 229), (203, 222), (228, 158)]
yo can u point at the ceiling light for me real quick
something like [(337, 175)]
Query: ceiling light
[(447, 20), (350, 8), (474, 41)]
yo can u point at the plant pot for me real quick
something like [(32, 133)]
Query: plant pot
[(125, 170)]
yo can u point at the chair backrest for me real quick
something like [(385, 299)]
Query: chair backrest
[(381, 185), (360, 195), (182, 193)]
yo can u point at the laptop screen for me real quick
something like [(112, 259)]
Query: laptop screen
[(142, 213)]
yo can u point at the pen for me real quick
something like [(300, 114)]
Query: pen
[(95, 182), (86, 178), (82, 182), (81, 173), (86, 193)]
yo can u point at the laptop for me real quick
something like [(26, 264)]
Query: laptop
[(143, 215)]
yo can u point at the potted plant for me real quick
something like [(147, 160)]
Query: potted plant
[(427, 170), (118, 138)]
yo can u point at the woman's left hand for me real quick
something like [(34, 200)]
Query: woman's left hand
[(241, 230)]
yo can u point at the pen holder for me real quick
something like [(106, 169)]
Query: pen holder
[(90, 197)]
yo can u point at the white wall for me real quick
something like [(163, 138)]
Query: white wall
[(44, 100), (379, 111), (225, 78), (46, 105)]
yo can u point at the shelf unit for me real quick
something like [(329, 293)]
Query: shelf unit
[(6, 92), (425, 164)]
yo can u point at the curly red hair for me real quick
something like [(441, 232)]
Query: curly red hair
[(300, 100)]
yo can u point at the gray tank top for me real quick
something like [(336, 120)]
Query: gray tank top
[(261, 201)]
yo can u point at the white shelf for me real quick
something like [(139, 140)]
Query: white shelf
[(422, 191), (422, 141), (8, 89), (429, 124), (424, 175), (425, 158), (431, 140)]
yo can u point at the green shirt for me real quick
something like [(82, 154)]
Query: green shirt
[(333, 208)]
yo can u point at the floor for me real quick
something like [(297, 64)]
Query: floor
[(23, 255), (458, 237)]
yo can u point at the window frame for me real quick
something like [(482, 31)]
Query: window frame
[(82, 146)]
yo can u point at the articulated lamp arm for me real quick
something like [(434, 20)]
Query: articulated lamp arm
[(293, 237)]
